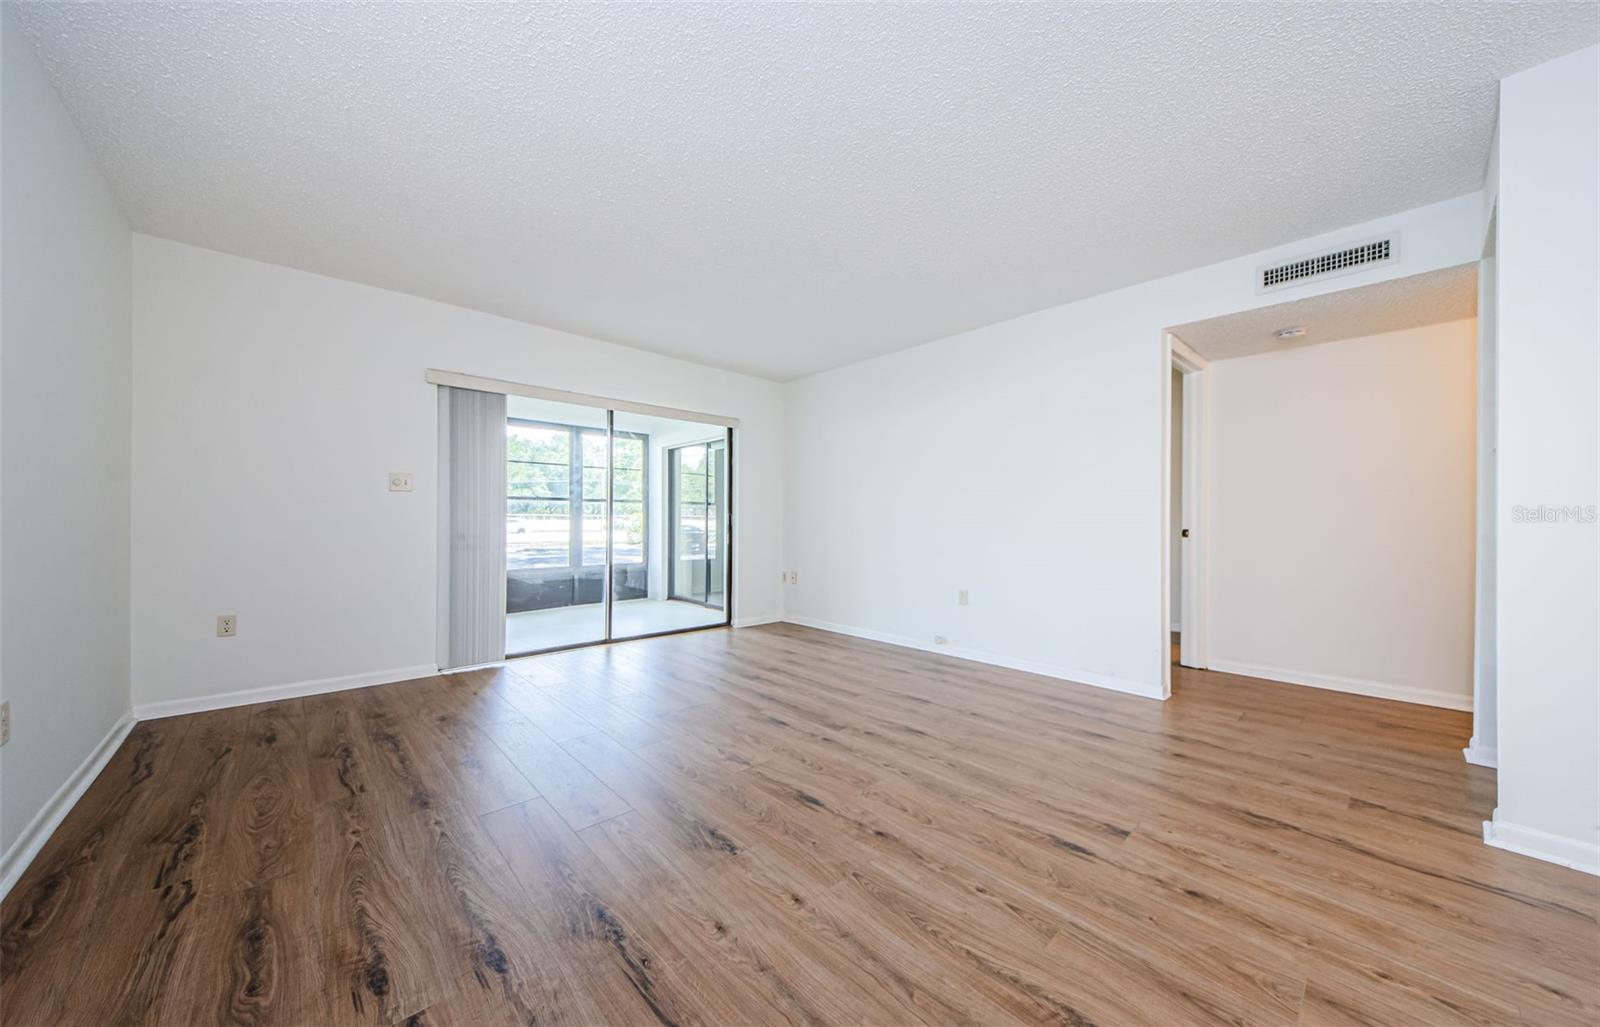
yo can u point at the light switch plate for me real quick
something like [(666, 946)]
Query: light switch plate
[(399, 481)]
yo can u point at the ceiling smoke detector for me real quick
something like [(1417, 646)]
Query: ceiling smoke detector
[(1291, 332)]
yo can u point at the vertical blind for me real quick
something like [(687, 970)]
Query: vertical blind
[(475, 451)]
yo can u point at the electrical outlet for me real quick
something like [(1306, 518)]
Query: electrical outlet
[(794, 577), (961, 598), (399, 481), (227, 625), (939, 640), (5, 722)]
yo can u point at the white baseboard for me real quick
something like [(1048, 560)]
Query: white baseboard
[(45, 822), (1079, 677), (1552, 848), (756, 621), (1353, 686), (273, 693), (1176, 629), (1480, 755)]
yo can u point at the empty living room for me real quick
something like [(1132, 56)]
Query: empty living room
[(752, 513)]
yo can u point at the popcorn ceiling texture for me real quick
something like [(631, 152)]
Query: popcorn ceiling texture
[(1449, 294), (779, 188)]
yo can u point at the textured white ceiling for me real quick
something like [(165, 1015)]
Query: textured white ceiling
[(780, 188), (1448, 294)]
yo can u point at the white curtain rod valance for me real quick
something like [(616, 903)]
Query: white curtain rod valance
[(456, 380)]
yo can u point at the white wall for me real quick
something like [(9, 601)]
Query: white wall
[(269, 405), (1342, 514), (64, 456), (1023, 461), (1548, 602)]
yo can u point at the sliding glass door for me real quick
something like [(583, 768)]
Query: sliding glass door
[(556, 466), (699, 483), (603, 539)]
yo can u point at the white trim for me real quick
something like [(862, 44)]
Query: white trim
[(1194, 644), (456, 379), (1177, 628), (273, 693), (1485, 642), (1353, 686), (1079, 677), (757, 621), (1168, 340), (49, 817), (1552, 848), (1185, 356), (1481, 755)]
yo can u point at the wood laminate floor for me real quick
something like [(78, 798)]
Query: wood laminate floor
[(778, 825)]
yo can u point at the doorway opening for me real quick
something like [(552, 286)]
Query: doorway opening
[(1319, 491)]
